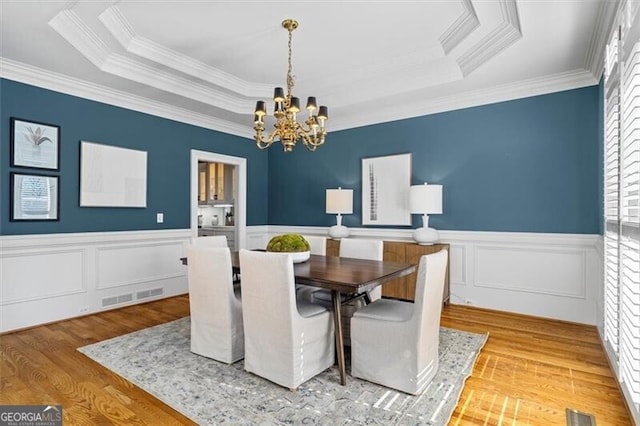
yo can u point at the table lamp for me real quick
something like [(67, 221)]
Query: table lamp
[(425, 199), (339, 202)]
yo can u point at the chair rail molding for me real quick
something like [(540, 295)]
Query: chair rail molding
[(549, 275)]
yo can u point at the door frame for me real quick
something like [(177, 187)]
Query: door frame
[(240, 207)]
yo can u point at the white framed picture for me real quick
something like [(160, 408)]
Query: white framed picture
[(112, 176), (34, 197), (385, 190)]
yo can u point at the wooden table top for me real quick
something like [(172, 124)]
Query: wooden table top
[(346, 275)]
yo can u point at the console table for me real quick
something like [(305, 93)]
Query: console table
[(404, 252)]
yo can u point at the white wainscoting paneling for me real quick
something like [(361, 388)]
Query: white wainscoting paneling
[(122, 265), (47, 278), (548, 275), (257, 237), (26, 275), (537, 270)]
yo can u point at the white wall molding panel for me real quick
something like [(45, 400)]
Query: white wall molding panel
[(45, 278)]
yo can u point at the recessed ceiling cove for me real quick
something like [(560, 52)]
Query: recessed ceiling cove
[(207, 63)]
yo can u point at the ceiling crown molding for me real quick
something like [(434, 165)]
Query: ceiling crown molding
[(503, 36), (461, 28), (71, 27), (594, 60), (507, 92), (39, 77), (113, 19)]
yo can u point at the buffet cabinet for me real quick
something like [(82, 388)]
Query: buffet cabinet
[(405, 252)]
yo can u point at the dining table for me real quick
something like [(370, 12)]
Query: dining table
[(346, 278)]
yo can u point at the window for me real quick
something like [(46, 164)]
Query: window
[(622, 200)]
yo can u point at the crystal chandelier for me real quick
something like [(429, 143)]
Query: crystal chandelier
[(287, 129)]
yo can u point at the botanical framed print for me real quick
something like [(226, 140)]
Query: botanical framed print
[(385, 190), (34, 144), (34, 197)]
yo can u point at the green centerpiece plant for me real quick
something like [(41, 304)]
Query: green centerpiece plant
[(289, 243)]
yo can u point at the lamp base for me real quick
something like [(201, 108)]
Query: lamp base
[(425, 236), (338, 231)]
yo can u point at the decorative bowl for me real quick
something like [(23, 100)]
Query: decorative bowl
[(300, 256)]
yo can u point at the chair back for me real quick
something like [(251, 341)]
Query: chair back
[(215, 310), (428, 304), (268, 299), (286, 341), (360, 248), (317, 243), (210, 241)]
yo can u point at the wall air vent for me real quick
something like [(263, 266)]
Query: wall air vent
[(108, 301), (156, 292), (124, 298), (150, 293), (577, 418), (116, 300)]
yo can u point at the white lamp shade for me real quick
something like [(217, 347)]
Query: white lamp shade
[(339, 201), (425, 199)]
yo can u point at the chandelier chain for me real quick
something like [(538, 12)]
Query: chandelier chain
[(290, 69)]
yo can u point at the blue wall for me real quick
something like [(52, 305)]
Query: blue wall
[(168, 144), (528, 165)]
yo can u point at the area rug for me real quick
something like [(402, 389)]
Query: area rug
[(158, 360)]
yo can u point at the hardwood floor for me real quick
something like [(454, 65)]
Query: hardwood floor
[(532, 369), (529, 371)]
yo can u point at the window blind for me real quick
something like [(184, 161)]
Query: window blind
[(622, 199)]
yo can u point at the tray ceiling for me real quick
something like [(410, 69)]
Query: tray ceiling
[(207, 62)]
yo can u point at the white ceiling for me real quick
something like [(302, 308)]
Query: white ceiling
[(207, 62)]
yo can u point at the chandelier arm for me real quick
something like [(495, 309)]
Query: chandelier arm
[(309, 140)]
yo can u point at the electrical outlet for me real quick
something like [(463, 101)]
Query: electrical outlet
[(160, 217), (84, 309), (468, 301)]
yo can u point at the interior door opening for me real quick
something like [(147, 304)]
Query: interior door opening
[(218, 201)]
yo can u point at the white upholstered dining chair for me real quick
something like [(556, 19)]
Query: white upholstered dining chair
[(361, 248), (317, 246), (210, 241), (395, 343), (216, 307), (287, 341)]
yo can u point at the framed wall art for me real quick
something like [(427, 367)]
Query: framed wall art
[(34, 144), (385, 190), (34, 197), (111, 176)]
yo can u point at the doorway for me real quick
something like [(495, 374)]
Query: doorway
[(240, 202)]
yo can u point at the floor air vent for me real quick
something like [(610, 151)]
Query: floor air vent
[(577, 418)]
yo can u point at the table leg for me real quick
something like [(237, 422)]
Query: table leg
[(339, 344)]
